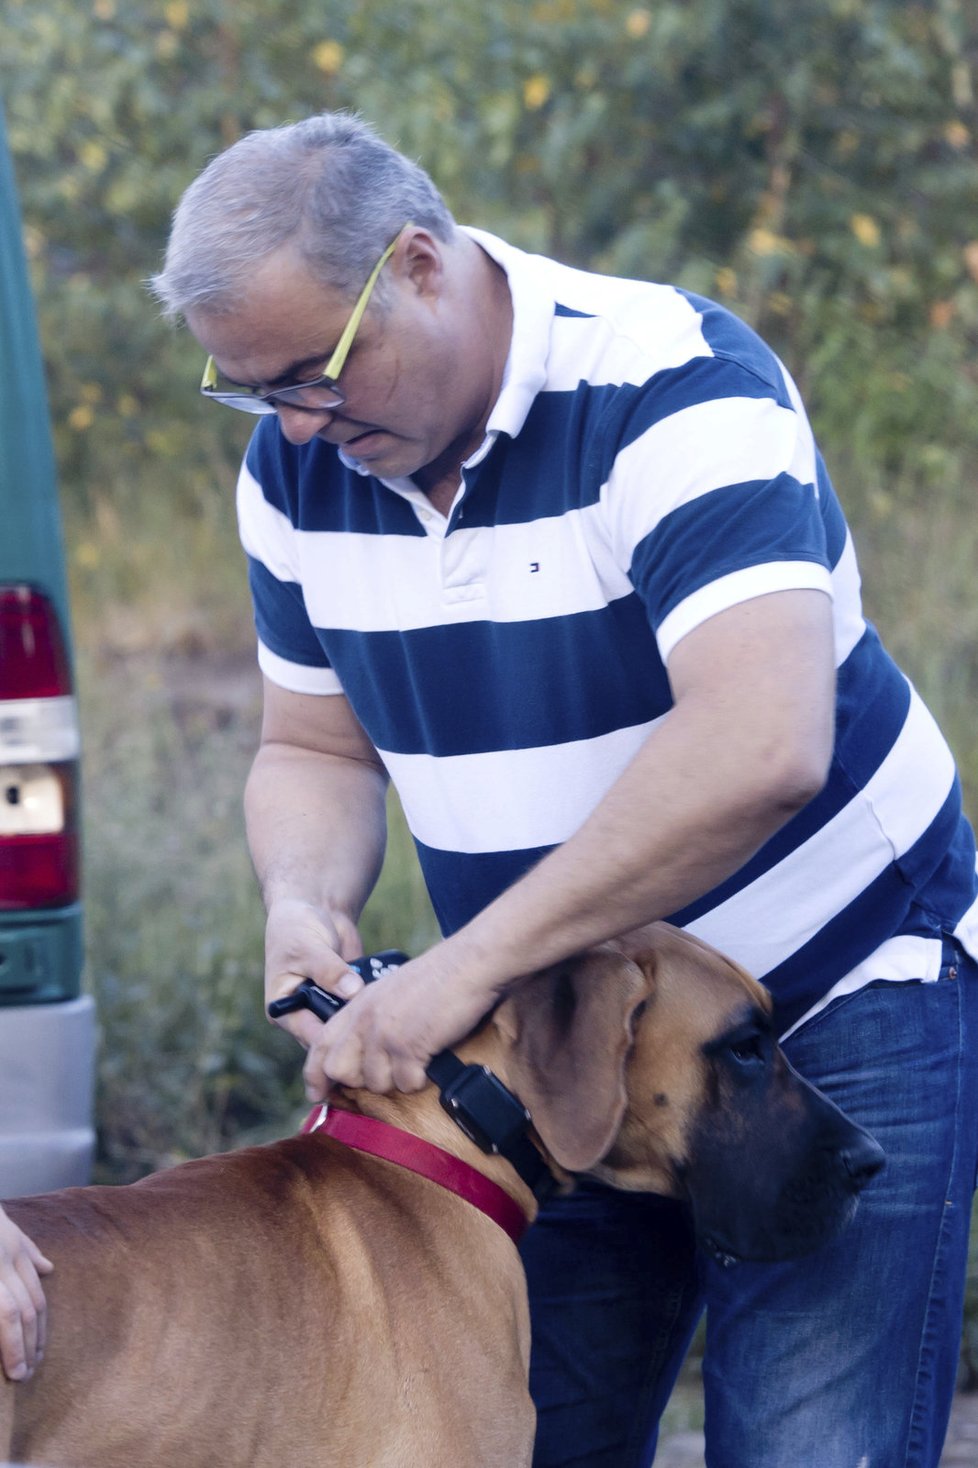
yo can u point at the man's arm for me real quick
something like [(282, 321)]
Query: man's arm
[(316, 820), (747, 743)]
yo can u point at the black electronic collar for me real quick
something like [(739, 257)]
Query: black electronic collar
[(476, 1099)]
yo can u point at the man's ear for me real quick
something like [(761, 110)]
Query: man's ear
[(569, 1029), (420, 262)]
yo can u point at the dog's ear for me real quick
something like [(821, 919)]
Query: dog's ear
[(570, 1030)]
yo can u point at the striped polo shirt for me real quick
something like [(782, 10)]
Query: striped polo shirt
[(648, 463)]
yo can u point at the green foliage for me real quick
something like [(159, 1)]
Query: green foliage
[(820, 176)]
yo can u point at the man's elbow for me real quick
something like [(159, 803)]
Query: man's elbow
[(794, 774)]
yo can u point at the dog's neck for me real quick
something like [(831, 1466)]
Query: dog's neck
[(421, 1115)]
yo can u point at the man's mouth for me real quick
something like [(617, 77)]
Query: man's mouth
[(360, 444), (351, 442)]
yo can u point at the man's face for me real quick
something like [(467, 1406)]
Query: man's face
[(409, 390)]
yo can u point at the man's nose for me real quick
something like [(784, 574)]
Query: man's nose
[(299, 425)]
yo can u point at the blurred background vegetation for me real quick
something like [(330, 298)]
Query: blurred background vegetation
[(818, 175)]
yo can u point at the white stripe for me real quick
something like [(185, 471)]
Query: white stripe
[(552, 567), (738, 586), (296, 677), (765, 923), (266, 533), (605, 352), (804, 464), (510, 800), (847, 604), (691, 453), (903, 960)]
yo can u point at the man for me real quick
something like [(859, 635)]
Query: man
[(558, 554)]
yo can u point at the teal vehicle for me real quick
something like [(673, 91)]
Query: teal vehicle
[(47, 1025)]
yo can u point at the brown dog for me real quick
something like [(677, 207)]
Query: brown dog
[(302, 1304)]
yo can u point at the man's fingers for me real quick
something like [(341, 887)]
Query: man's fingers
[(40, 1262), (408, 1074), (303, 1026), (28, 1265), (18, 1328)]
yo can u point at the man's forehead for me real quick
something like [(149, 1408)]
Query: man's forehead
[(283, 328)]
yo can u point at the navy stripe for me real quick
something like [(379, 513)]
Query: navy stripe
[(461, 884), (728, 336), (273, 461), (872, 701), (579, 434), (281, 620), (728, 530), (833, 519), (517, 685), (315, 491), (560, 310)]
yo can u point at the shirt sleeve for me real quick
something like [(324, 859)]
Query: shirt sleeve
[(716, 501), (289, 651)]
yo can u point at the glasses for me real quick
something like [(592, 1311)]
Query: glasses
[(320, 393)]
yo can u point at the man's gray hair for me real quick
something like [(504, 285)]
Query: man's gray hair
[(329, 184)]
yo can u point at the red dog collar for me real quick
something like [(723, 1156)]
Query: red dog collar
[(379, 1139)]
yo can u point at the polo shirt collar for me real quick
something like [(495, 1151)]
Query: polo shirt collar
[(525, 373)]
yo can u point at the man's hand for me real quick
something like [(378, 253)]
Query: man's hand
[(23, 1310), (303, 942), (385, 1038)]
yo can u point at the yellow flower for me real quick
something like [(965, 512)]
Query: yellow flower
[(762, 241), (637, 24), (177, 14), (536, 92), (93, 155), (866, 230), (81, 417), (328, 57), (957, 134)]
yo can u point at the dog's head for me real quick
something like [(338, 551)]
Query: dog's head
[(650, 1063)]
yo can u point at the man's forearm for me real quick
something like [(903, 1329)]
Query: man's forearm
[(316, 827)]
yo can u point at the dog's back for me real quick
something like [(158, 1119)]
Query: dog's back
[(281, 1304)]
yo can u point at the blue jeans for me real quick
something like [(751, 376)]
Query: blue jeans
[(844, 1359)]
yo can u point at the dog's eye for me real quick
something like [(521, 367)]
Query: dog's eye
[(749, 1051)]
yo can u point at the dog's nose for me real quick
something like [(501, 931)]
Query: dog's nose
[(863, 1160)]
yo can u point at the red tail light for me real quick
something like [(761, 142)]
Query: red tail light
[(39, 747)]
